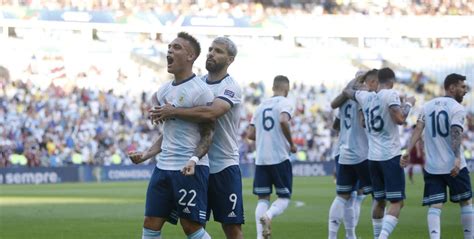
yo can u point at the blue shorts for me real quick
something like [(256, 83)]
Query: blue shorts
[(356, 176), (435, 187), (280, 175), (172, 195), (225, 196), (336, 164), (388, 179)]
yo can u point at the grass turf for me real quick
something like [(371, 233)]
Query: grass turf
[(115, 210)]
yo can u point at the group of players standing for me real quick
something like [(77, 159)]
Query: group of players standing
[(369, 159), (197, 170)]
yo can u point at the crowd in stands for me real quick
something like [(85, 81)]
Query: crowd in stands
[(259, 8), (60, 126)]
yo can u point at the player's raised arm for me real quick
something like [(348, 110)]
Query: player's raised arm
[(206, 130), (399, 113)]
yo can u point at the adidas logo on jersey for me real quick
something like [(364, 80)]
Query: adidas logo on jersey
[(186, 210), (232, 214)]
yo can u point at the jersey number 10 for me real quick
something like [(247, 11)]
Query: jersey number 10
[(436, 124)]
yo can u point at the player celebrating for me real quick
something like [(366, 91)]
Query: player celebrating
[(445, 164), (180, 179), (352, 165), (383, 113), (270, 127), (225, 182)]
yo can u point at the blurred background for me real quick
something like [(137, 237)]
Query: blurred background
[(76, 76)]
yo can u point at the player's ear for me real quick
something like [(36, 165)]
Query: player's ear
[(230, 60)]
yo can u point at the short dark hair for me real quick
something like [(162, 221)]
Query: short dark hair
[(194, 43), (279, 80), (385, 75), (369, 73), (453, 79)]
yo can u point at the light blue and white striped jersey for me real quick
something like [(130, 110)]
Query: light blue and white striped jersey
[(271, 146), (180, 137), (439, 115), (382, 131), (354, 143), (224, 151)]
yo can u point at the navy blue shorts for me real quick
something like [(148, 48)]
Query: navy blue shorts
[(388, 179), (172, 195), (356, 176), (435, 187), (280, 175), (225, 196), (336, 164)]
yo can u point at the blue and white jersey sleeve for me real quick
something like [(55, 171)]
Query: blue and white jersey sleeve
[(287, 107), (459, 116), (230, 92), (393, 98)]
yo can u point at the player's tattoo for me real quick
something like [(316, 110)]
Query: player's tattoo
[(206, 130), (406, 109), (456, 138)]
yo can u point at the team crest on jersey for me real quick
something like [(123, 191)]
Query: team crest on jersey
[(181, 99), (229, 93)]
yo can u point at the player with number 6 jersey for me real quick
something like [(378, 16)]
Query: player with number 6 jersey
[(270, 127)]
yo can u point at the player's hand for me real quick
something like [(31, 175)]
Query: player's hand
[(411, 100), (188, 170), (404, 160), (293, 149), (161, 113), (457, 167), (136, 157)]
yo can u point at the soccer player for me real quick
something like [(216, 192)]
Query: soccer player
[(445, 164), (353, 168), (383, 113), (178, 186), (225, 180), (270, 127)]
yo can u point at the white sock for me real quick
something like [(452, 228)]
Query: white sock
[(357, 204), (336, 213), (377, 225), (467, 220), (278, 207), (199, 234), (434, 222), (150, 234), (349, 217), (389, 223), (262, 207)]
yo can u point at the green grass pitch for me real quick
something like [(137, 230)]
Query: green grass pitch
[(115, 210)]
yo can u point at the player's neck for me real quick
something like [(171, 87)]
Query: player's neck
[(384, 87), (279, 93), (182, 76), (216, 76)]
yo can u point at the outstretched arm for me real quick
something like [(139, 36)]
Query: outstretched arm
[(338, 101), (416, 135), (140, 157), (197, 114), (399, 113)]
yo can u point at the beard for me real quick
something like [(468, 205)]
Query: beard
[(459, 98), (213, 66)]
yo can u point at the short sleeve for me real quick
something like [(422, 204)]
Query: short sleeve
[(458, 118), (231, 93), (287, 107), (393, 99), (338, 114)]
